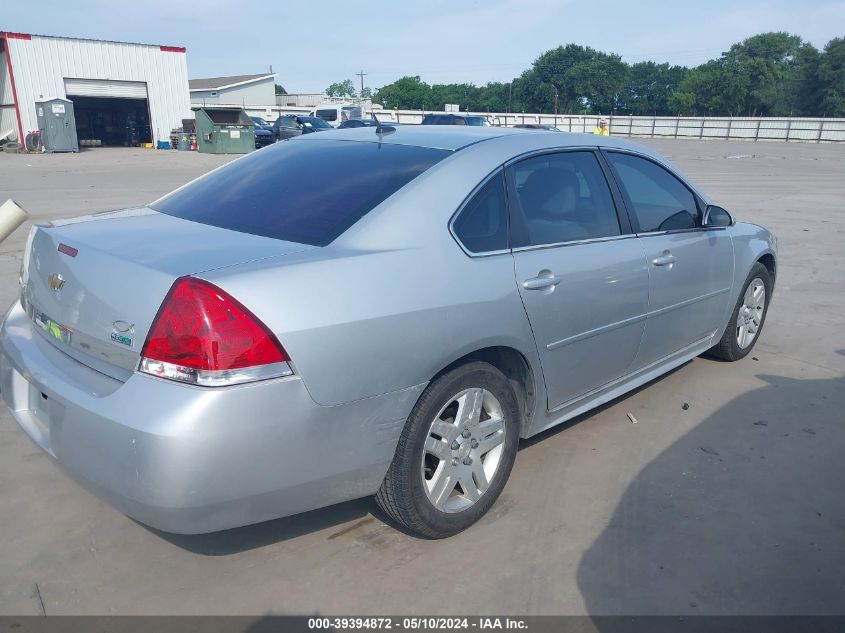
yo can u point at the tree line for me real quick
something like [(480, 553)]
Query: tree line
[(770, 74)]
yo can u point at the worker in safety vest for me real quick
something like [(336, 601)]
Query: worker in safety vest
[(602, 128)]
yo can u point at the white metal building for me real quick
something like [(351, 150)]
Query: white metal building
[(242, 90), (123, 93)]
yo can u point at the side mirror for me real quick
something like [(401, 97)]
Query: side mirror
[(716, 216)]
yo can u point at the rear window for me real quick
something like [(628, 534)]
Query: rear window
[(328, 115), (315, 122), (300, 191), (476, 120)]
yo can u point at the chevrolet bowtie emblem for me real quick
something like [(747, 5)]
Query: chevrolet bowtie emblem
[(56, 281)]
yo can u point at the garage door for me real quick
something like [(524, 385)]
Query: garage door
[(105, 88)]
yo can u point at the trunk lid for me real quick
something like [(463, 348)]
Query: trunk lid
[(93, 285)]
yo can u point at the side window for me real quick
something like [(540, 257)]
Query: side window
[(661, 202), (560, 198), (482, 225)]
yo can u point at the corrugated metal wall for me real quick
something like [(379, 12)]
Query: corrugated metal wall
[(8, 119), (41, 65)]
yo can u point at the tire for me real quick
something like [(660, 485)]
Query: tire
[(425, 493), (729, 347)]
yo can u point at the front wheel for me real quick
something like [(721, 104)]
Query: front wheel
[(748, 316), (455, 453)]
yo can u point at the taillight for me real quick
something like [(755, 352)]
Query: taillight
[(204, 336)]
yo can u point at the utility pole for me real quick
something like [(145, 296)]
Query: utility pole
[(361, 74), (556, 95)]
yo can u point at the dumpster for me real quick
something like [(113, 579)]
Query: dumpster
[(224, 131)]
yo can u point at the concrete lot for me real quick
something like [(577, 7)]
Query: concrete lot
[(732, 506)]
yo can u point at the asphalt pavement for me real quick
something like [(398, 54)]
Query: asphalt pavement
[(732, 504)]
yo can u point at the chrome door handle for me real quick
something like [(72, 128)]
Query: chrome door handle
[(666, 259), (541, 282)]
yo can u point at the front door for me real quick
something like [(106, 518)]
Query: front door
[(582, 278), (690, 267)]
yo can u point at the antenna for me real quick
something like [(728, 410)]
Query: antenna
[(382, 129)]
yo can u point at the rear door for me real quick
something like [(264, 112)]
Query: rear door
[(581, 272), (690, 267)]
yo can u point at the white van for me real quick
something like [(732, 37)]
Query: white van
[(336, 113)]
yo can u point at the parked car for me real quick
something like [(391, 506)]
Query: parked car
[(263, 136), (290, 126), (286, 127), (268, 341), (455, 119), (310, 124), (537, 126), (260, 122)]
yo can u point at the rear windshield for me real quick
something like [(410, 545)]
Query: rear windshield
[(307, 191), (313, 121), (287, 121)]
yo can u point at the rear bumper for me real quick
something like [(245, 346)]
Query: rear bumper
[(192, 460)]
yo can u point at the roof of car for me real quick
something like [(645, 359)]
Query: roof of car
[(509, 141), (437, 137)]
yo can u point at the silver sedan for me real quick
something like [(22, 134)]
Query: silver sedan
[(384, 312)]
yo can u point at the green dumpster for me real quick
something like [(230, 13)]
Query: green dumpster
[(224, 131)]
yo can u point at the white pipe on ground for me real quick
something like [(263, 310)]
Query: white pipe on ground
[(11, 217)]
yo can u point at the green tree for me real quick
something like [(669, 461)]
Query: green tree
[(808, 86), (531, 94), (583, 78), (769, 63), (280, 90), (648, 88), (407, 93), (769, 74), (343, 88), (831, 73), (493, 97), (718, 89), (681, 103)]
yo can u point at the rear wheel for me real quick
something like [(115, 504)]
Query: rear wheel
[(748, 316), (455, 453)]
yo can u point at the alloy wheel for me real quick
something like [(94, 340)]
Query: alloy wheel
[(463, 450), (750, 315)]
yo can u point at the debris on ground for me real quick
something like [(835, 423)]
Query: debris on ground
[(761, 423), (685, 406), (709, 451), (631, 417)]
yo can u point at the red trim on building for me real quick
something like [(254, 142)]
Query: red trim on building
[(16, 36), (172, 49), (5, 37)]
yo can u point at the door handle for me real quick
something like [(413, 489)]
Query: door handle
[(666, 259), (542, 281)]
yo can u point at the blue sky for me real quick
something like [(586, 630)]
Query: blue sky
[(311, 44)]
